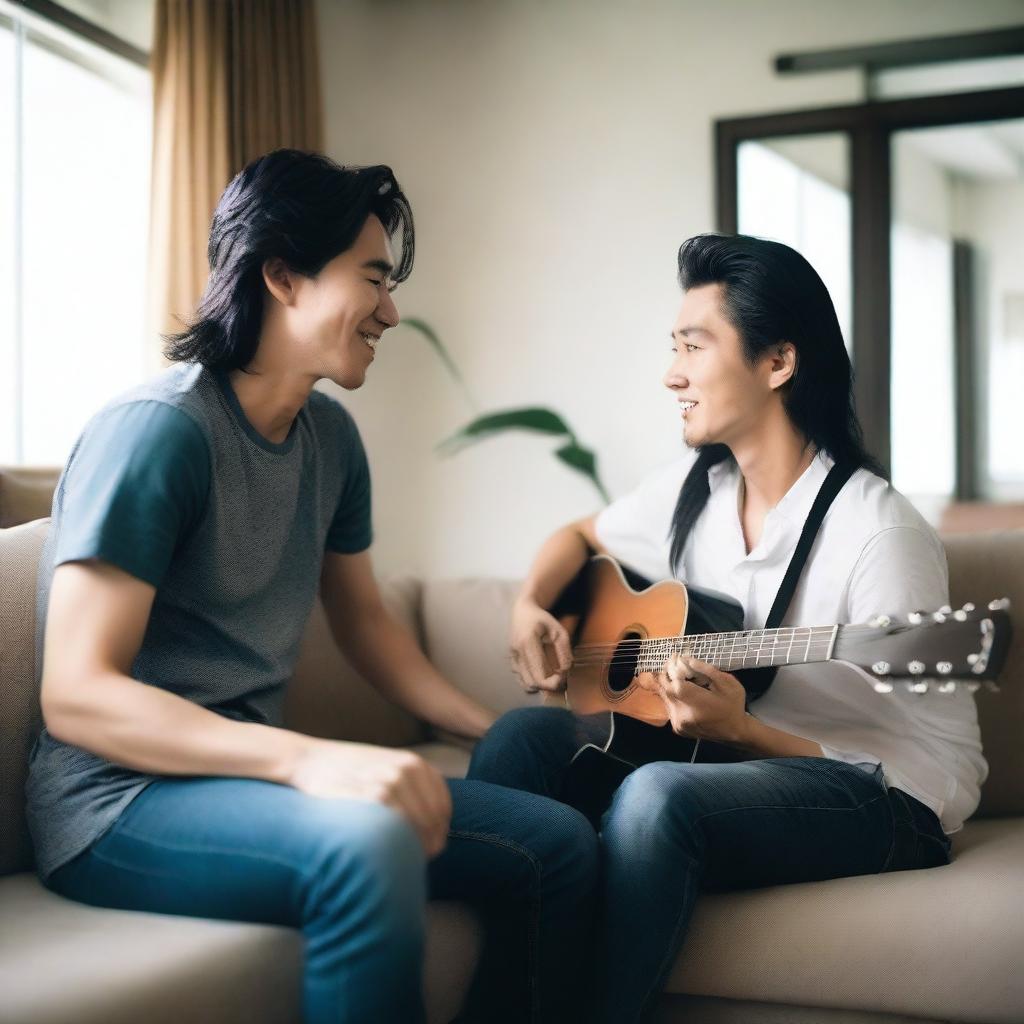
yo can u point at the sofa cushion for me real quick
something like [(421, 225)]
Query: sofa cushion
[(62, 961), (876, 942), (19, 705), (984, 566)]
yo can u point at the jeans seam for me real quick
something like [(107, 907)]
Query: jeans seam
[(304, 875), (789, 807), (533, 960)]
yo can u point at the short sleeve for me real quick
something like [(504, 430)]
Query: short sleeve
[(136, 483), (901, 569), (635, 528), (351, 528)]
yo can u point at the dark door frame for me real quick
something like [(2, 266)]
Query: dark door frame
[(869, 127)]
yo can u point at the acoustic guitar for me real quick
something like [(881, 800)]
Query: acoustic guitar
[(623, 628)]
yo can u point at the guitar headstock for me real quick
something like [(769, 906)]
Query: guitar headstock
[(940, 650)]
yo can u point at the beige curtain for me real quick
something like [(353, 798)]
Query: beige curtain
[(232, 79)]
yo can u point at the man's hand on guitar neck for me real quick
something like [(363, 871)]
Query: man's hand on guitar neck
[(702, 702), (539, 647), (706, 703)]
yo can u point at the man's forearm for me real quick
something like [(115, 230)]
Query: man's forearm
[(152, 730), (557, 563), (387, 655), (760, 740)]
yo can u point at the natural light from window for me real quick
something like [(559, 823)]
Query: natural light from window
[(84, 212)]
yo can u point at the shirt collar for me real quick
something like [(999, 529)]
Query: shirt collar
[(796, 503)]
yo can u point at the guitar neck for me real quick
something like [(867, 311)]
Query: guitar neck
[(753, 648)]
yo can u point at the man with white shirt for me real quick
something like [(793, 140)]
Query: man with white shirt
[(832, 778)]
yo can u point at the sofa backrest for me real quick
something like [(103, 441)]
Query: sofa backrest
[(984, 566), (26, 493), (326, 696), (19, 704)]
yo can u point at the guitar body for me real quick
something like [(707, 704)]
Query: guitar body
[(617, 614), (621, 724)]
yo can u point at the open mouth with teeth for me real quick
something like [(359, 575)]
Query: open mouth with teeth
[(371, 340), (685, 407)]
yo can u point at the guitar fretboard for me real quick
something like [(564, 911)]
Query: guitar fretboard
[(755, 648)]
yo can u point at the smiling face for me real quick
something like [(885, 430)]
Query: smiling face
[(337, 318), (722, 398)]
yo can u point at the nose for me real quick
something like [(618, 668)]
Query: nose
[(674, 377), (387, 311)]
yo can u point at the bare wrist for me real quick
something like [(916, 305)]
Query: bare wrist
[(746, 734), (290, 749)]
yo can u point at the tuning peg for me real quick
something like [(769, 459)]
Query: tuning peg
[(960, 615), (882, 686), (944, 668), (915, 668), (946, 610), (939, 616), (915, 618), (999, 605), (881, 622), (947, 686), (918, 686), (968, 606)]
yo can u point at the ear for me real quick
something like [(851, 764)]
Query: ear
[(782, 364), (280, 281)]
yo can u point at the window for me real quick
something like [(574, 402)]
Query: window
[(74, 190), (936, 208)]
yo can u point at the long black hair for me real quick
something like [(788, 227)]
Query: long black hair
[(771, 294), (300, 207)]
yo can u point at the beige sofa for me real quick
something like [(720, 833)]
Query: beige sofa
[(945, 944)]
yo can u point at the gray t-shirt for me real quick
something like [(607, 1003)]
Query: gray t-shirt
[(171, 483)]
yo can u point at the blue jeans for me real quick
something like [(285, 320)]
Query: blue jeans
[(673, 829), (354, 878)]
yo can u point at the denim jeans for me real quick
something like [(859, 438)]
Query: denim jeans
[(673, 829), (354, 878)]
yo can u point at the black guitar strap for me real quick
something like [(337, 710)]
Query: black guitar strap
[(757, 680)]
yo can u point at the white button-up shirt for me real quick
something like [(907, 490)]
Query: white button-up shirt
[(874, 555)]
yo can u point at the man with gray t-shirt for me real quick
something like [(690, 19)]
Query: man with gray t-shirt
[(194, 523)]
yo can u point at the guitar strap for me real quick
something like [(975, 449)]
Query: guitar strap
[(756, 681)]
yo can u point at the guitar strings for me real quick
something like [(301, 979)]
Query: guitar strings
[(744, 637), (751, 658)]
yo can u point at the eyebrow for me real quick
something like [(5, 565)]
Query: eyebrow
[(382, 265), (685, 332)]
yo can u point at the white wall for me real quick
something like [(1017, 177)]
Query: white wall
[(556, 154)]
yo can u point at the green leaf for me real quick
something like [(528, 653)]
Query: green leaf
[(577, 457), (583, 460), (534, 418), (431, 335)]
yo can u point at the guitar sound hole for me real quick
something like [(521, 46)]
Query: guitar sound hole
[(623, 667)]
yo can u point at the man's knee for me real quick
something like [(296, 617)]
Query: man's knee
[(573, 847), (658, 800), (369, 860), (526, 726)]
